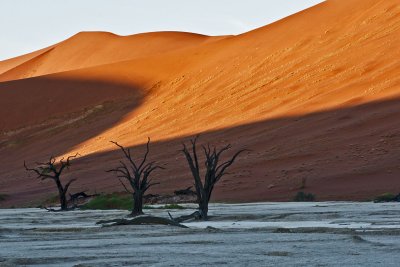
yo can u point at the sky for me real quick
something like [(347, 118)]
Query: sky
[(27, 25)]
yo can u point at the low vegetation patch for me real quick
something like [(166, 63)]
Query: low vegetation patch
[(303, 197), (173, 206), (109, 202), (387, 197)]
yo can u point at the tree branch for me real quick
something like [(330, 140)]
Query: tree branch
[(226, 164), (65, 164), (40, 174), (127, 154), (145, 155), (126, 189), (68, 184)]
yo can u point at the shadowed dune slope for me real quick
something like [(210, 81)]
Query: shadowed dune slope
[(314, 96)]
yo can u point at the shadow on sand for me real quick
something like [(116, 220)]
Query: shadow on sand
[(350, 153)]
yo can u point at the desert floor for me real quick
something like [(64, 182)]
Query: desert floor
[(258, 234)]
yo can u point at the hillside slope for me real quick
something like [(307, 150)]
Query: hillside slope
[(313, 96)]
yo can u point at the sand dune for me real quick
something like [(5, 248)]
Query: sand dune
[(88, 49), (6, 65), (314, 96)]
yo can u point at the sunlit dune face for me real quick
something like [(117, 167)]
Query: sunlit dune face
[(254, 77)]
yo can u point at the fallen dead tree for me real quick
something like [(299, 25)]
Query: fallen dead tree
[(141, 220), (56, 210), (193, 216), (78, 198), (185, 192), (78, 195)]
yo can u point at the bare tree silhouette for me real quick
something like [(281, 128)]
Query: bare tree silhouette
[(137, 175), (214, 171), (53, 170)]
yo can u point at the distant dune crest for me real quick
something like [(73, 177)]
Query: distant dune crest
[(88, 49)]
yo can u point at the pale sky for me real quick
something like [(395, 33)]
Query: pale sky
[(29, 25)]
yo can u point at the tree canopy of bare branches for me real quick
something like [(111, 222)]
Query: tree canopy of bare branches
[(214, 171), (53, 170), (137, 174)]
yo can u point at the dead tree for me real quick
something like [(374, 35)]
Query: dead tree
[(143, 220), (53, 170), (137, 175), (185, 192), (76, 196), (214, 170)]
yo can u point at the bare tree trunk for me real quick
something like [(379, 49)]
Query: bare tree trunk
[(62, 195), (137, 203), (203, 208)]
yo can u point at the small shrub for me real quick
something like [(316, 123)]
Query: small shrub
[(3, 197), (108, 202), (302, 197), (386, 197), (303, 183)]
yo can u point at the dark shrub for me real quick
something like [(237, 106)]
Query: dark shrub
[(3, 197), (301, 197), (387, 197), (111, 201)]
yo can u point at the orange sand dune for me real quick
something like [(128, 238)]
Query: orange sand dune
[(88, 49), (6, 65), (315, 96)]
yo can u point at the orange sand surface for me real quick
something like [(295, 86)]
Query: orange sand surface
[(314, 96)]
